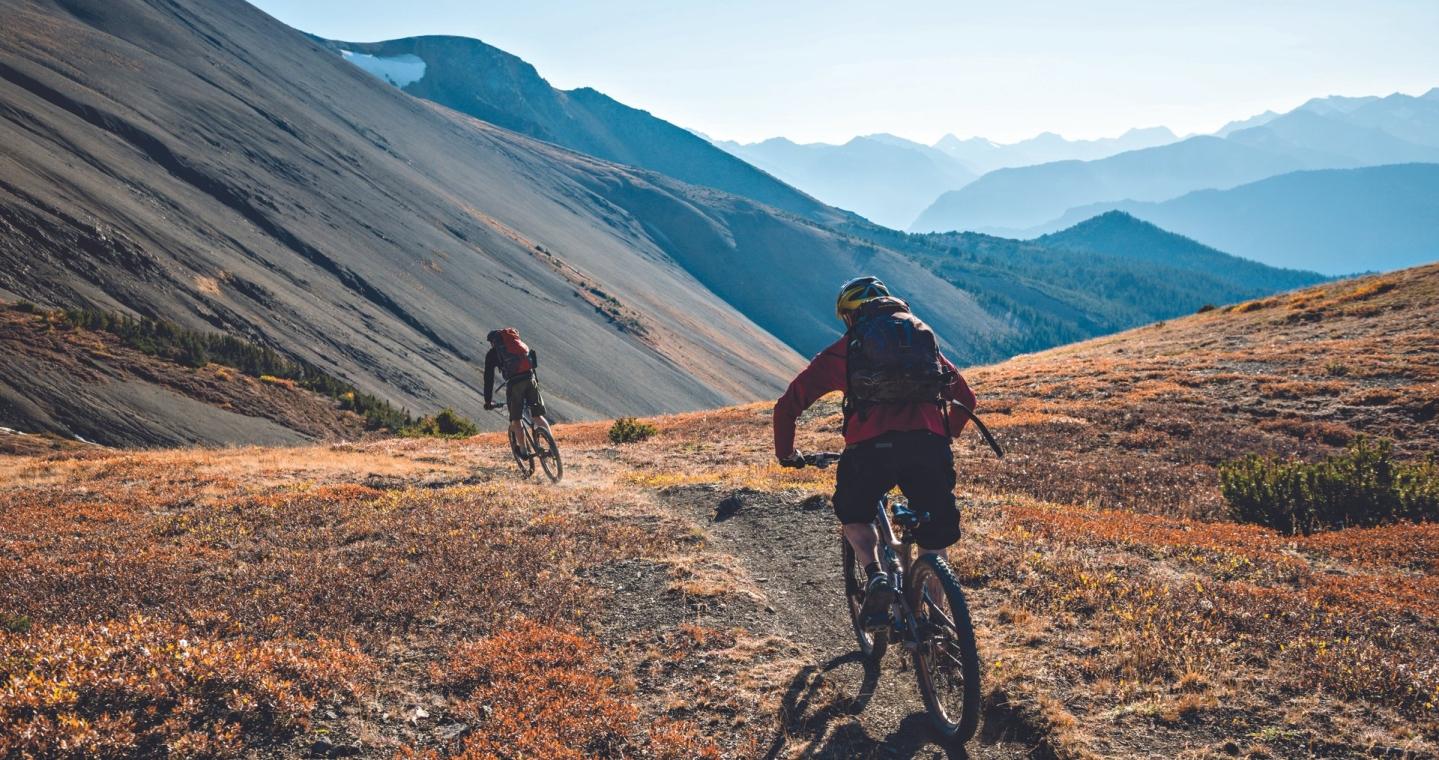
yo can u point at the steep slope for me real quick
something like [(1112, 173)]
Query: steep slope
[(883, 179), (1012, 199), (1336, 221), (207, 165), (490, 84), (90, 386)]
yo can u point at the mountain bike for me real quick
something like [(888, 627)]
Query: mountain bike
[(536, 443), (928, 616)]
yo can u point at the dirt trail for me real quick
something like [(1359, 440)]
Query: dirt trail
[(834, 707)]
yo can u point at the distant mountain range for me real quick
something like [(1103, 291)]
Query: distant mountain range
[(885, 179), (1336, 221), (1323, 133), (890, 180), (984, 156)]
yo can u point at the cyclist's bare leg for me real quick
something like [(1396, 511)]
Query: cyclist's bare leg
[(541, 422), (517, 431), (865, 540)]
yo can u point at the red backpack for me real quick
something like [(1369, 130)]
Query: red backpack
[(513, 354)]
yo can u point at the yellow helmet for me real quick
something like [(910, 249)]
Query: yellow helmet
[(857, 292)]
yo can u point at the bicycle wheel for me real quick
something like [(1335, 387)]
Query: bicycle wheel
[(871, 643), (522, 458), (946, 660), (549, 454)]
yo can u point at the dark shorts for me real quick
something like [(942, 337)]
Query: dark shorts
[(521, 390), (920, 463)]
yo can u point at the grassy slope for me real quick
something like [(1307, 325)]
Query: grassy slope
[(1118, 617)]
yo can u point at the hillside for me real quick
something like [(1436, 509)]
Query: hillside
[(259, 185), (884, 179), (490, 84), (1336, 221), (1096, 278), (1118, 234), (92, 386), (678, 597)]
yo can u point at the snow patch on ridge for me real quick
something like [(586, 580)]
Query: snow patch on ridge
[(399, 71)]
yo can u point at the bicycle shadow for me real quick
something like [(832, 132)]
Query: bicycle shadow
[(804, 721)]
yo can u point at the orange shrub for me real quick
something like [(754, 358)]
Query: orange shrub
[(539, 692), (147, 688)]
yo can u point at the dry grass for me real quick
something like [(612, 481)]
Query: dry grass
[(338, 593)]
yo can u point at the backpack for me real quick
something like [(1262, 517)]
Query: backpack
[(513, 354), (893, 358)]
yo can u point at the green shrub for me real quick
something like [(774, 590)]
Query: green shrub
[(631, 430), (14, 623), (447, 424), (1362, 486)]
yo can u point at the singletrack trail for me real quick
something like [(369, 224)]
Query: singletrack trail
[(835, 706), (778, 579)]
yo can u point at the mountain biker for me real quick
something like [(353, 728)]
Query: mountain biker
[(517, 363), (904, 443)]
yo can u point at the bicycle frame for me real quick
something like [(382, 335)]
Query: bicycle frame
[(895, 553)]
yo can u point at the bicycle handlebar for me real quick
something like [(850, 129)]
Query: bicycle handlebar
[(821, 459)]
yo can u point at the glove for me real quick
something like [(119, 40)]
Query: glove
[(795, 460)]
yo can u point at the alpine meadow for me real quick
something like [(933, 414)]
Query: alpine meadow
[(384, 398)]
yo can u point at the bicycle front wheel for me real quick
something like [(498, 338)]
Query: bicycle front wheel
[(520, 448), (549, 454), (946, 660)]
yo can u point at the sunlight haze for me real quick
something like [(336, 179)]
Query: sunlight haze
[(827, 71)]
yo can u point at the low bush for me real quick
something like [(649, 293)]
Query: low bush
[(631, 430), (1361, 487), (448, 423), (148, 688)]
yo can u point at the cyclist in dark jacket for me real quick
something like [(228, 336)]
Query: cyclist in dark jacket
[(521, 386), (893, 444)]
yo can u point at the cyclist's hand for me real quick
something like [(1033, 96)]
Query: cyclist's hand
[(795, 459)]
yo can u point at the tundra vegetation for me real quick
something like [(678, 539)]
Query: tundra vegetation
[(412, 597)]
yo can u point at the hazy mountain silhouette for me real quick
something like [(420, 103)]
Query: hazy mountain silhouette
[(485, 82), (1007, 200), (883, 178), (1336, 221), (1323, 133), (982, 155)]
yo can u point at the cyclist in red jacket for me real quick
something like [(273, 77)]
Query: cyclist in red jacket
[(903, 444)]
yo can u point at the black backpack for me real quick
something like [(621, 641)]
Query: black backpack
[(893, 358)]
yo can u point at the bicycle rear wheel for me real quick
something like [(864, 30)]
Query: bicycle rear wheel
[(871, 643), (946, 660), (549, 454), (520, 449)]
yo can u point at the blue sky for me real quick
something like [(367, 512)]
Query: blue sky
[(826, 71)]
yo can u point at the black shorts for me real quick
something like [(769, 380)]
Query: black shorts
[(917, 461), (520, 391)]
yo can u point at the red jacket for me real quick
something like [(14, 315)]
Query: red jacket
[(826, 373)]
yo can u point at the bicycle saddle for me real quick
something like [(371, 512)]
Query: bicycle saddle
[(908, 517)]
